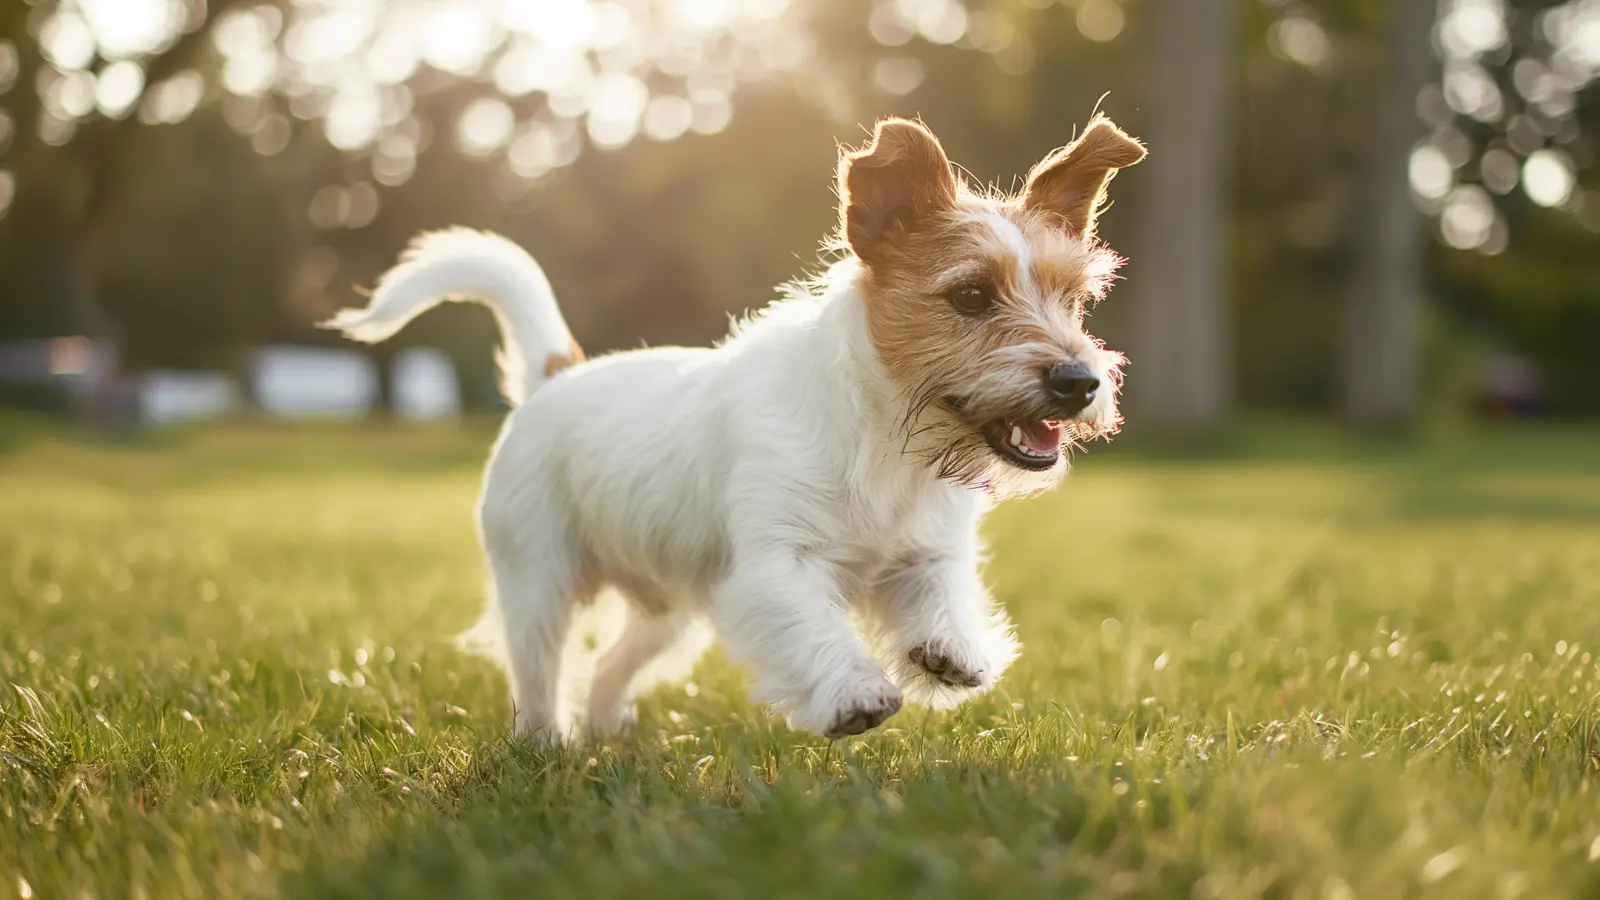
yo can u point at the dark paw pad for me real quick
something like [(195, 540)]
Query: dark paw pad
[(937, 663), (863, 718)]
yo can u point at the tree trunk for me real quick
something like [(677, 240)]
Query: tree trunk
[(1382, 347), (383, 357), (1179, 377)]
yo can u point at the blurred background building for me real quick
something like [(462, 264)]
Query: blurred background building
[(1381, 209)]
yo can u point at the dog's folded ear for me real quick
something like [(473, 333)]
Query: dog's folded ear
[(892, 186), (1070, 184)]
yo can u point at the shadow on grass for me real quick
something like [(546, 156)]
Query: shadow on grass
[(620, 829)]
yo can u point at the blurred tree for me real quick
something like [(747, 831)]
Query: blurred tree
[(522, 82), (1512, 124), (601, 134), (65, 139), (1381, 359), (1180, 340)]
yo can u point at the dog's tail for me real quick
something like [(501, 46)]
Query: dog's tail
[(461, 264)]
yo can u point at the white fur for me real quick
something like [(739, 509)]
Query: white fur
[(760, 487), (1009, 233)]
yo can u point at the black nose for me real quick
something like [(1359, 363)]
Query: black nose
[(1071, 384)]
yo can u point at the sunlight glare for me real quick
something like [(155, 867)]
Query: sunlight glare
[(613, 25), (1547, 177), (237, 32), (702, 15), (67, 41), (119, 87), (328, 36), (250, 75), (566, 23), (938, 21), (1431, 174), (619, 97), (130, 28), (485, 126), (1573, 29), (455, 39), (393, 57), (1471, 28), (615, 107), (353, 119), (533, 66)]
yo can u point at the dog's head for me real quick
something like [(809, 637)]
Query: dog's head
[(975, 303)]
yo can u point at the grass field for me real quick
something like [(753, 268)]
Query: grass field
[(1294, 667)]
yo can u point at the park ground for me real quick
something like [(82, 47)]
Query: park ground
[(1287, 664)]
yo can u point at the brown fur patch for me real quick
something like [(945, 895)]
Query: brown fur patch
[(922, 235), (555, 362), (1071, 182), (898, 183)]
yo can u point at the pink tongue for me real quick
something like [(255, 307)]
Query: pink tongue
[(1042, 438)]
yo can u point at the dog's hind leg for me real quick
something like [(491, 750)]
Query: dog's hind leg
[(537, 582), (645, 639)]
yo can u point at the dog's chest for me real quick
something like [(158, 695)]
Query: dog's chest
[(876, 528)]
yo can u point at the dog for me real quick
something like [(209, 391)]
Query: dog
[(825, 466)]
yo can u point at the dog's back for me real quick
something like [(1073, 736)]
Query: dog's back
[(618, 443)]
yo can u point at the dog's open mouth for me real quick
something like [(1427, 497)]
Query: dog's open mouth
[(1031, 444)]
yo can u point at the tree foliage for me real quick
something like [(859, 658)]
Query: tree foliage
[(197, 177)]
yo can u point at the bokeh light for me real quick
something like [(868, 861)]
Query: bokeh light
[(1300, 39), (1499, 170), (1468, 219), (1547, 177), (1431, 173), (1101, 20), (533, 81), (118, 88), (8, 190)]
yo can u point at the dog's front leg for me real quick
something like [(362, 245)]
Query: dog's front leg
[(781, 612), (948, 638)]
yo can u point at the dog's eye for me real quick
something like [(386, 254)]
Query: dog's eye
[(971, 299)]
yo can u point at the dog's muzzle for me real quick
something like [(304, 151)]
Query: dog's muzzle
[(1070, 388)]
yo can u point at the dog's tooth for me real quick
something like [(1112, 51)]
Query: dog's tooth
[(1016, 435)]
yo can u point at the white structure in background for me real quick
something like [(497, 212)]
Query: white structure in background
[(424, 385), (318, 383), (314, 383), (290, 382), (169, 398)]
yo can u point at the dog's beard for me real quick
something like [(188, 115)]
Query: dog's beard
[(956, 449), (946, 431)]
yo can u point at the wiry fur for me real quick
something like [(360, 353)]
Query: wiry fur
[(826, 463)]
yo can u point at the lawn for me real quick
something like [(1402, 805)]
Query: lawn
[(1292, 666)]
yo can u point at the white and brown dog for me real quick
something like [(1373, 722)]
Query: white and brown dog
[(832, 457)]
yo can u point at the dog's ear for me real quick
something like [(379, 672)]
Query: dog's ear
[(1070, 184), (892, 186)]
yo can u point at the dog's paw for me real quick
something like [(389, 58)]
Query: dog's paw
[(864, 714), (952, 663), (540, 732), (853, 707), (605, 723)]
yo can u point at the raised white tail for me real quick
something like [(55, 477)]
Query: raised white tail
[(472, 266)]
